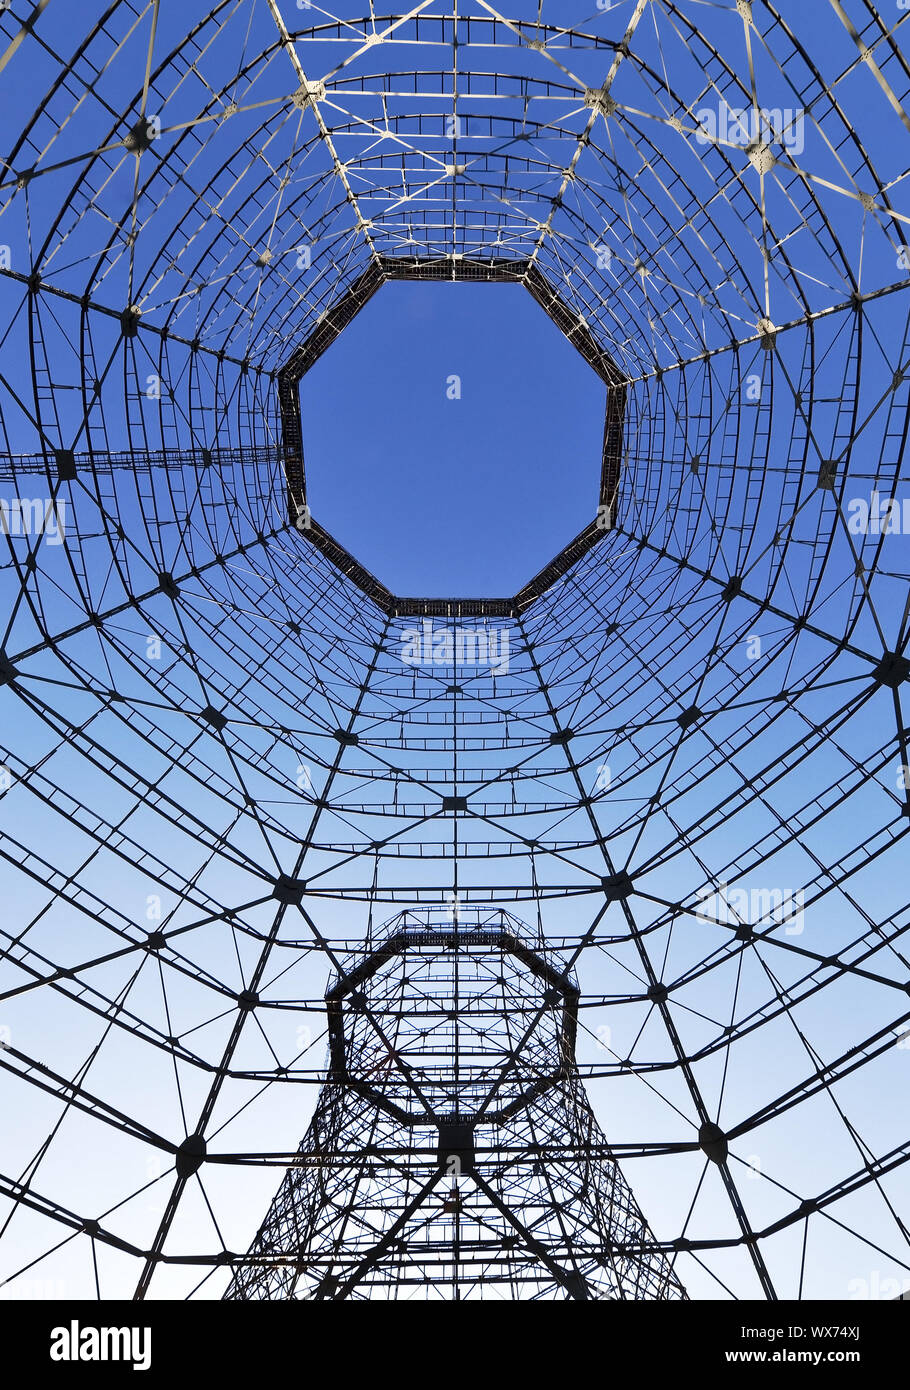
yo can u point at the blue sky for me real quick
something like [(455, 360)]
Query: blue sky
[(449, 496)]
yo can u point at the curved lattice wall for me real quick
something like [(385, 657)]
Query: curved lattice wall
[(688, 775)]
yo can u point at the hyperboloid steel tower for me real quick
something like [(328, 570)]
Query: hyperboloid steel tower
[(636, 824)]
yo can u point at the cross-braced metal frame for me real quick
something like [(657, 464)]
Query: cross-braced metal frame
[(452, 1149), (691, 774)]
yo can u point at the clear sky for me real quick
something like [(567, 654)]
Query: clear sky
[(422, 484)]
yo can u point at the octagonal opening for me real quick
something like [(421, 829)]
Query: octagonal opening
[(453, 438)]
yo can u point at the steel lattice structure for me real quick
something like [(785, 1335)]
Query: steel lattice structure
[(452, 1149), (217, 770)]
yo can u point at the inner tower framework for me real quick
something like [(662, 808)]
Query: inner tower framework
[(452, 1152)]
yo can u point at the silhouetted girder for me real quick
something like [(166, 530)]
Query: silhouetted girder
[(519, 1188), (96, 461)]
